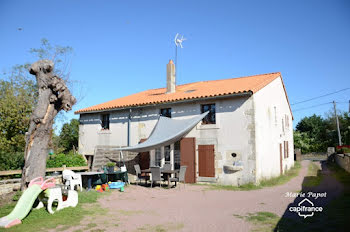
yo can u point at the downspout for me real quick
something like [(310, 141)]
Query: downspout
[(129, 122)]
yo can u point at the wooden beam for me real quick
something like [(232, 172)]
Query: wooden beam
[(14, 172)]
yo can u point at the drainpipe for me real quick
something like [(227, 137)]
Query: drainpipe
[(129, 122)]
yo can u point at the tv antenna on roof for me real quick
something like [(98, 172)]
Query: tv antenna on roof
[(178, 42)]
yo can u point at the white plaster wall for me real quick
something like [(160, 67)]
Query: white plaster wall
[(230, 134), (268, 130)]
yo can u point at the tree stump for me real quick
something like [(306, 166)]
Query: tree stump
[(53, 97)]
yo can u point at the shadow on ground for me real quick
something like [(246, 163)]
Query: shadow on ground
[(335, 216)]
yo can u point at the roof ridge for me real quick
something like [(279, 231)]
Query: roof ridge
[(219, 80), (244, 76)]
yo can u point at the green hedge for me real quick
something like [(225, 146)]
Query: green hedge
[(70, 160), (15, 161)]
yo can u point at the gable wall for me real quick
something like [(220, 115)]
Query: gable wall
[(268, 130)]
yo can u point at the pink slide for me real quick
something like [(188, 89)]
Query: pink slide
[(25, 203)]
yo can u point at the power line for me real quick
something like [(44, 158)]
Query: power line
[(305, 108), (312, 106), (320, 96)]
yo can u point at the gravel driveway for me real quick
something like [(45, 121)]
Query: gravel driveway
[(190, 207)]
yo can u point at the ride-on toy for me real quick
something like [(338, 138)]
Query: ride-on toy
[(62, 197)]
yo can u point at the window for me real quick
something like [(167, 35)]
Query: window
[(165, 112), (167, 154), (210, 118), (287, 122), (105, 122), (158, 156), (286, 149), (177, 160)]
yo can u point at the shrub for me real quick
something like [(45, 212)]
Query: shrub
[(70, 160), (343, 150), (110, 164), (11, 161)]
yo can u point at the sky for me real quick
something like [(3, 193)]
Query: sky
[(122, 47)]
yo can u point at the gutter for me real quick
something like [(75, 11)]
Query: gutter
[(244, 94)]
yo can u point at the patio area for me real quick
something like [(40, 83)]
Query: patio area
[(189, 207)]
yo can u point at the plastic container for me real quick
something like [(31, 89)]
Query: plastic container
[(116, 185)]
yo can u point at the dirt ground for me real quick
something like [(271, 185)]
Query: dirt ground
[(190, 207)]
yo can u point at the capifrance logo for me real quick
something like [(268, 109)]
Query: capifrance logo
[(305, 208)]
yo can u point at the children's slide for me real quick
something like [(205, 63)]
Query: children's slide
[(25, 203)]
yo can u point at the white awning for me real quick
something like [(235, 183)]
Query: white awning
[(167, 131)]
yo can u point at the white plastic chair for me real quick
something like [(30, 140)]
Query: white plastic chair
[(72, 179)]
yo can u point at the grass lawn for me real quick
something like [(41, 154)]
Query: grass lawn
[(313, 172), (41, 220), (262, 221), (293, 172)]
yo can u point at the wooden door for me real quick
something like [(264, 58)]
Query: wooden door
[(206, 160), (188, 158), (281, 167), (144, 158)]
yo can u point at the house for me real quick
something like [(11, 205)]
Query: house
[(247, 135)]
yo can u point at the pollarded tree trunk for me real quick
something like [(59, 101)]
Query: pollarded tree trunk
[(53, 97)]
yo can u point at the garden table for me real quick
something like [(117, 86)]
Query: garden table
[(120, 175), (89, 176)]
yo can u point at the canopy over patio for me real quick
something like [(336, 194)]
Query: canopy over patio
[(167, 131)]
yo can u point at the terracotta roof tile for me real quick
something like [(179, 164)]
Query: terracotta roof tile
[(194, 90)]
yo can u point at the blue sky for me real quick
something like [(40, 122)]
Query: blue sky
[(122, 47)]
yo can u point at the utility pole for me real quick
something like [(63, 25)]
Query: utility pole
[(337, 121)]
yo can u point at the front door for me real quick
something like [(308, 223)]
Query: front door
[(206, 160), (188, 158)]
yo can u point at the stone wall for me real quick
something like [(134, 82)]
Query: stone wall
[(343, 160), (8, 186)]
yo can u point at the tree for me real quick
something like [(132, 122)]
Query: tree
[(344, 126), (302, 141), (313, 133), (18, 95), (69, 135), (17, 98), (53, 96)]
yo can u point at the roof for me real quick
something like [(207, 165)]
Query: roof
[(196, 90)]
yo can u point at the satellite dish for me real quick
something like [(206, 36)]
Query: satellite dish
[(178, 41)]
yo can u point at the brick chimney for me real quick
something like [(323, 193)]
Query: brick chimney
[(170, 77)]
